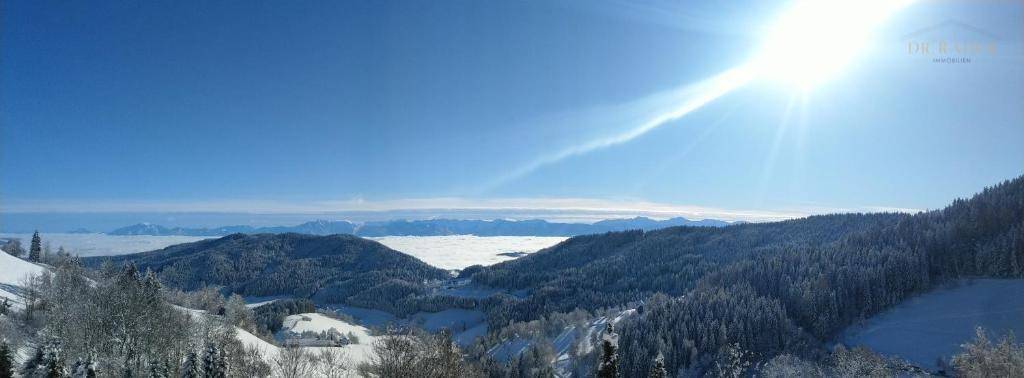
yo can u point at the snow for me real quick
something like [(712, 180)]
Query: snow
[(249, 340), (13, 272), (354, 354), (259, 304), (509, 349), (935, 324), (253, 302), (104, 245), (460, 251), (562, 343), (597, 327), (314, 322)]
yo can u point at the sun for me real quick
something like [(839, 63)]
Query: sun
[(813, 40)]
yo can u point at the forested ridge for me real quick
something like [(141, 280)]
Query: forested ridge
[(329, 269), (772, 288), (706, 297)]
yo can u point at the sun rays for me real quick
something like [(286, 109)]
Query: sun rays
[(809, 42)]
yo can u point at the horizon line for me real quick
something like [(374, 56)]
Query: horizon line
[(593, 208)]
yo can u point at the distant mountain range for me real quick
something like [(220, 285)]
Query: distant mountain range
[(433, 227)]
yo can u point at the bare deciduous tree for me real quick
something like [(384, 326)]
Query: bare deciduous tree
[(293, 362), (982, 358)]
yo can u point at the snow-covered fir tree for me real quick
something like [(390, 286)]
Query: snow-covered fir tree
[(214, 364), (190, 368), (35, 251), (54, 366), (658, 370), (609, 364)]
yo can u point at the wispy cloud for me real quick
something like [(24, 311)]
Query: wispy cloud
[(648, 113)]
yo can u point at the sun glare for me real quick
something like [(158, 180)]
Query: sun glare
[(815, 39)]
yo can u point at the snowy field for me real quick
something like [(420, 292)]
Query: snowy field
[(354, 353), (460, 251), (102, 244), (935, 324)]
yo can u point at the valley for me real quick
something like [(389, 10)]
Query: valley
[(769, 289)]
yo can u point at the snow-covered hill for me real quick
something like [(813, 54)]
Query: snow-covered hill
[(13, 272), (355, 352)]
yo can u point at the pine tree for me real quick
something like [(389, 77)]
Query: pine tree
[(6, 362), (609, 366), (35, 251), (214, 364), (191, 368), (658, 370), (54, 364)]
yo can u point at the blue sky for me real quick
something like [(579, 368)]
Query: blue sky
[(364, 105)]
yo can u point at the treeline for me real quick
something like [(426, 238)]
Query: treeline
[(270, 317), (766, 288)]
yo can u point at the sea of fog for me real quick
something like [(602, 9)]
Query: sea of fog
[(460, 251), (102, 244), (446, 252)]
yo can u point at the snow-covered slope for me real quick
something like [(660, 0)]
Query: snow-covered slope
[(584, 340), (269, 350), (317, 322), (314, 322), (13, 272), (248, 339), (934, 325)]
